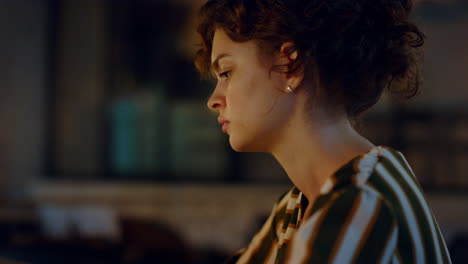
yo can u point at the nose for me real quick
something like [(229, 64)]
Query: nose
[(217, 100)]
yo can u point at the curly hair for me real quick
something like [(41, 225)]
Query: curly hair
[(357, 48)]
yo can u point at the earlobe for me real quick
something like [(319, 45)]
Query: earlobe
[(295, 79)]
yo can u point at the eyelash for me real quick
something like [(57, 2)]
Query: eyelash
[(225, 74)]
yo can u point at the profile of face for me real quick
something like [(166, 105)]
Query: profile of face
[(249, 95)]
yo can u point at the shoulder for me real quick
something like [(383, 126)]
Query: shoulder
[(394, 177), (348, 200), (381, 160), (396, 160)]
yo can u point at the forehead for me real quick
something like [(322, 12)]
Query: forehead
[(222, 44)]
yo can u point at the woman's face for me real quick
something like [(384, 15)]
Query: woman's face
[(248, 95)]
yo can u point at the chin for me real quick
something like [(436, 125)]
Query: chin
[(243, 145), (236, 146)]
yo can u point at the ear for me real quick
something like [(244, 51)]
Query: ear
[(287, 55)]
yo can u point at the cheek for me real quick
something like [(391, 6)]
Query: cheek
[(251, 99), (239, 93), (238, 105)]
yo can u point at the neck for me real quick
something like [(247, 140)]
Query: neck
[(310, 153)]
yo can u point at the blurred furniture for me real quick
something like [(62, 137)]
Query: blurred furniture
[(142, 241)]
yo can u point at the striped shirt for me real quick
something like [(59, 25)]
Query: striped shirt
[(371, 210)]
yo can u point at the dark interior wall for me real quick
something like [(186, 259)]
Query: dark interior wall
[(23, 33), (81, 78), (445, 83)]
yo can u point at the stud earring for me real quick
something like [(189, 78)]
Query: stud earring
[(289, 89)]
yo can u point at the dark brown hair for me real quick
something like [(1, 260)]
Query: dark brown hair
[(356, 48)]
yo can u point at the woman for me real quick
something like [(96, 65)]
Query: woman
[(291, 76)]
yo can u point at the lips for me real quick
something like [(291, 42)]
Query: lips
[(225, 127), (224, 123)]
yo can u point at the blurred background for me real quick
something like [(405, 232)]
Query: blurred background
[(108, 153)]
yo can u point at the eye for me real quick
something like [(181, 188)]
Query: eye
[(225, 74)]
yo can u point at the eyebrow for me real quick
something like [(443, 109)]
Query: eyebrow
[(215, 63)]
